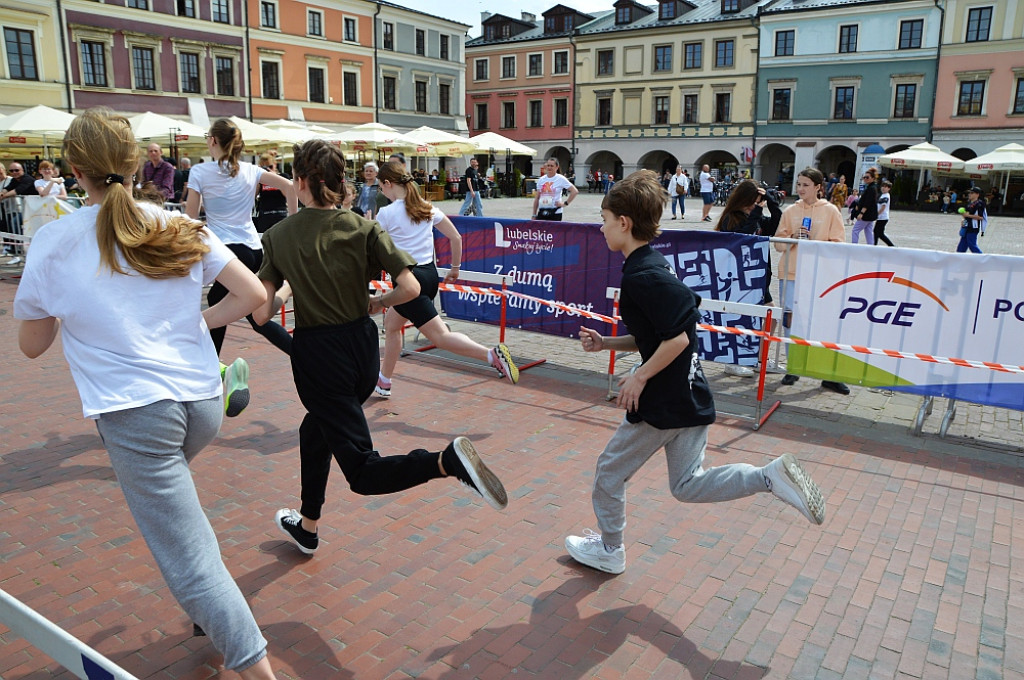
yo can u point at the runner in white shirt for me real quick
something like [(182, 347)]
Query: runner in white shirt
[(121, 282), (707, 192), (410, 221), (227, 189), (548, 203)]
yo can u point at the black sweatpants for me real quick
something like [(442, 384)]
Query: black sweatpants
[(335, 369), (880, 232), (271, 330)]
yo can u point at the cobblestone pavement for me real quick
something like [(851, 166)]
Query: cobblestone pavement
[(918, 571)]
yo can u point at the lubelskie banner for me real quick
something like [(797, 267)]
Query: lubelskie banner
[(570, 263), (950, 305)]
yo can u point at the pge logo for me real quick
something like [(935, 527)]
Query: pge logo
[(888, 312)]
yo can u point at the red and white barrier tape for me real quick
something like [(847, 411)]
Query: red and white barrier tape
[(860, 349)]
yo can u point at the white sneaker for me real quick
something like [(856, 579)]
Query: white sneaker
[(589, 549), (774, 367), (16, 260), (383, 387), (787, 479), (744, 371)]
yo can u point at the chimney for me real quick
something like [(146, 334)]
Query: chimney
[(529, 17), (484, 16)]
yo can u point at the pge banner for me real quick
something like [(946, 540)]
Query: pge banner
[(941, 304), (570, 263)]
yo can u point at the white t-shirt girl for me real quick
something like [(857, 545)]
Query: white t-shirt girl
[(129, 340), (549, 191), (228, 200), (415, 238), (54, 190)]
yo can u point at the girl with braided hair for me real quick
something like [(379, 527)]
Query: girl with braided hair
[(121, 281), (410, 220), (329, 255), (227, 188)]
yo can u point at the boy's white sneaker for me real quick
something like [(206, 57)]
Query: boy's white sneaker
[(788, 480), (589, 549)]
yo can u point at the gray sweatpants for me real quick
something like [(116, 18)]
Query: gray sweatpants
[(633, 444), (150, 448)]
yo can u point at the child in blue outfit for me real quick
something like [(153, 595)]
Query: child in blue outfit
[(667, 399), (974, 222)]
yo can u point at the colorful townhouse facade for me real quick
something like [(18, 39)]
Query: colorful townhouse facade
[(980, 91), (31, 71), (520, 81), (838, 80)]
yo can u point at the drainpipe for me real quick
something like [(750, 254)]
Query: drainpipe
[(64, 55), (756, 23), (376, 90), (248, 64), (572, 114), (938, 56)]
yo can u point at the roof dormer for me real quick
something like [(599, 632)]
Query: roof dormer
[(562, 19), (734, 6), (499, 27), (673, 9), (628, 11)]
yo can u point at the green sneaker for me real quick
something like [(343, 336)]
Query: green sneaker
[(236, 387)]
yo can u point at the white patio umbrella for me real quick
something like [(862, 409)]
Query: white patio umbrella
[(1006, 159), (922, 156), (493, 142), (152, 127), (37, 126), (373, 136), (258, 137), (442, 143)]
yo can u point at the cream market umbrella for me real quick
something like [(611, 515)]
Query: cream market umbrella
[(37, 126), (258, 137), (152, 127), (1008, 159), (922, 156), (493, 142), (441, 143), (373, 136)]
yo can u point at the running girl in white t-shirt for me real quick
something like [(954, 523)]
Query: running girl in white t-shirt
[(227, 188), (410, 221), (122, 281)]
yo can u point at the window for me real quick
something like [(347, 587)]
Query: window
[(1018, 99), (444, 47), (605, 62), (489, 32), (667, 10), (137, 4), (536, 118), (388, 32), (421, 42), (723, 107), (315, 76), (189, 65), (781, 100), (843, 109), (910, 33), (350, 88), (561, 65), (94, 64), (221, 11), (972, 95), (662, 58), (268, 14), (693, 55), (508, 67), (604, 111), (567, 22), (690, 109), (421, 96), (906, 99), (481, 117), (730, 6), (390, 93), (562, 112), (847, 39), (724, 52), (481, 69), (979, 22), (270, 72), (225, 68), (186, 8), (661, 110), (784, 43), (444, 98), (549, 24), (142, 68), (350, 29), (535, 65), (622, 15), (21, 54), (508, 114), (315, 23)]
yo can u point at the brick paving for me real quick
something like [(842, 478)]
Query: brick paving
[(918, 571)]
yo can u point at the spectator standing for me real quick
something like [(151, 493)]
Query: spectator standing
[(678, 187), (707, 192), (472, 181), (159, 171), (50, 183)]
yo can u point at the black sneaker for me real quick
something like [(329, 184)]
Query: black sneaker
[(290, 522), (837, 387), (460, 460), (790, 379)]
